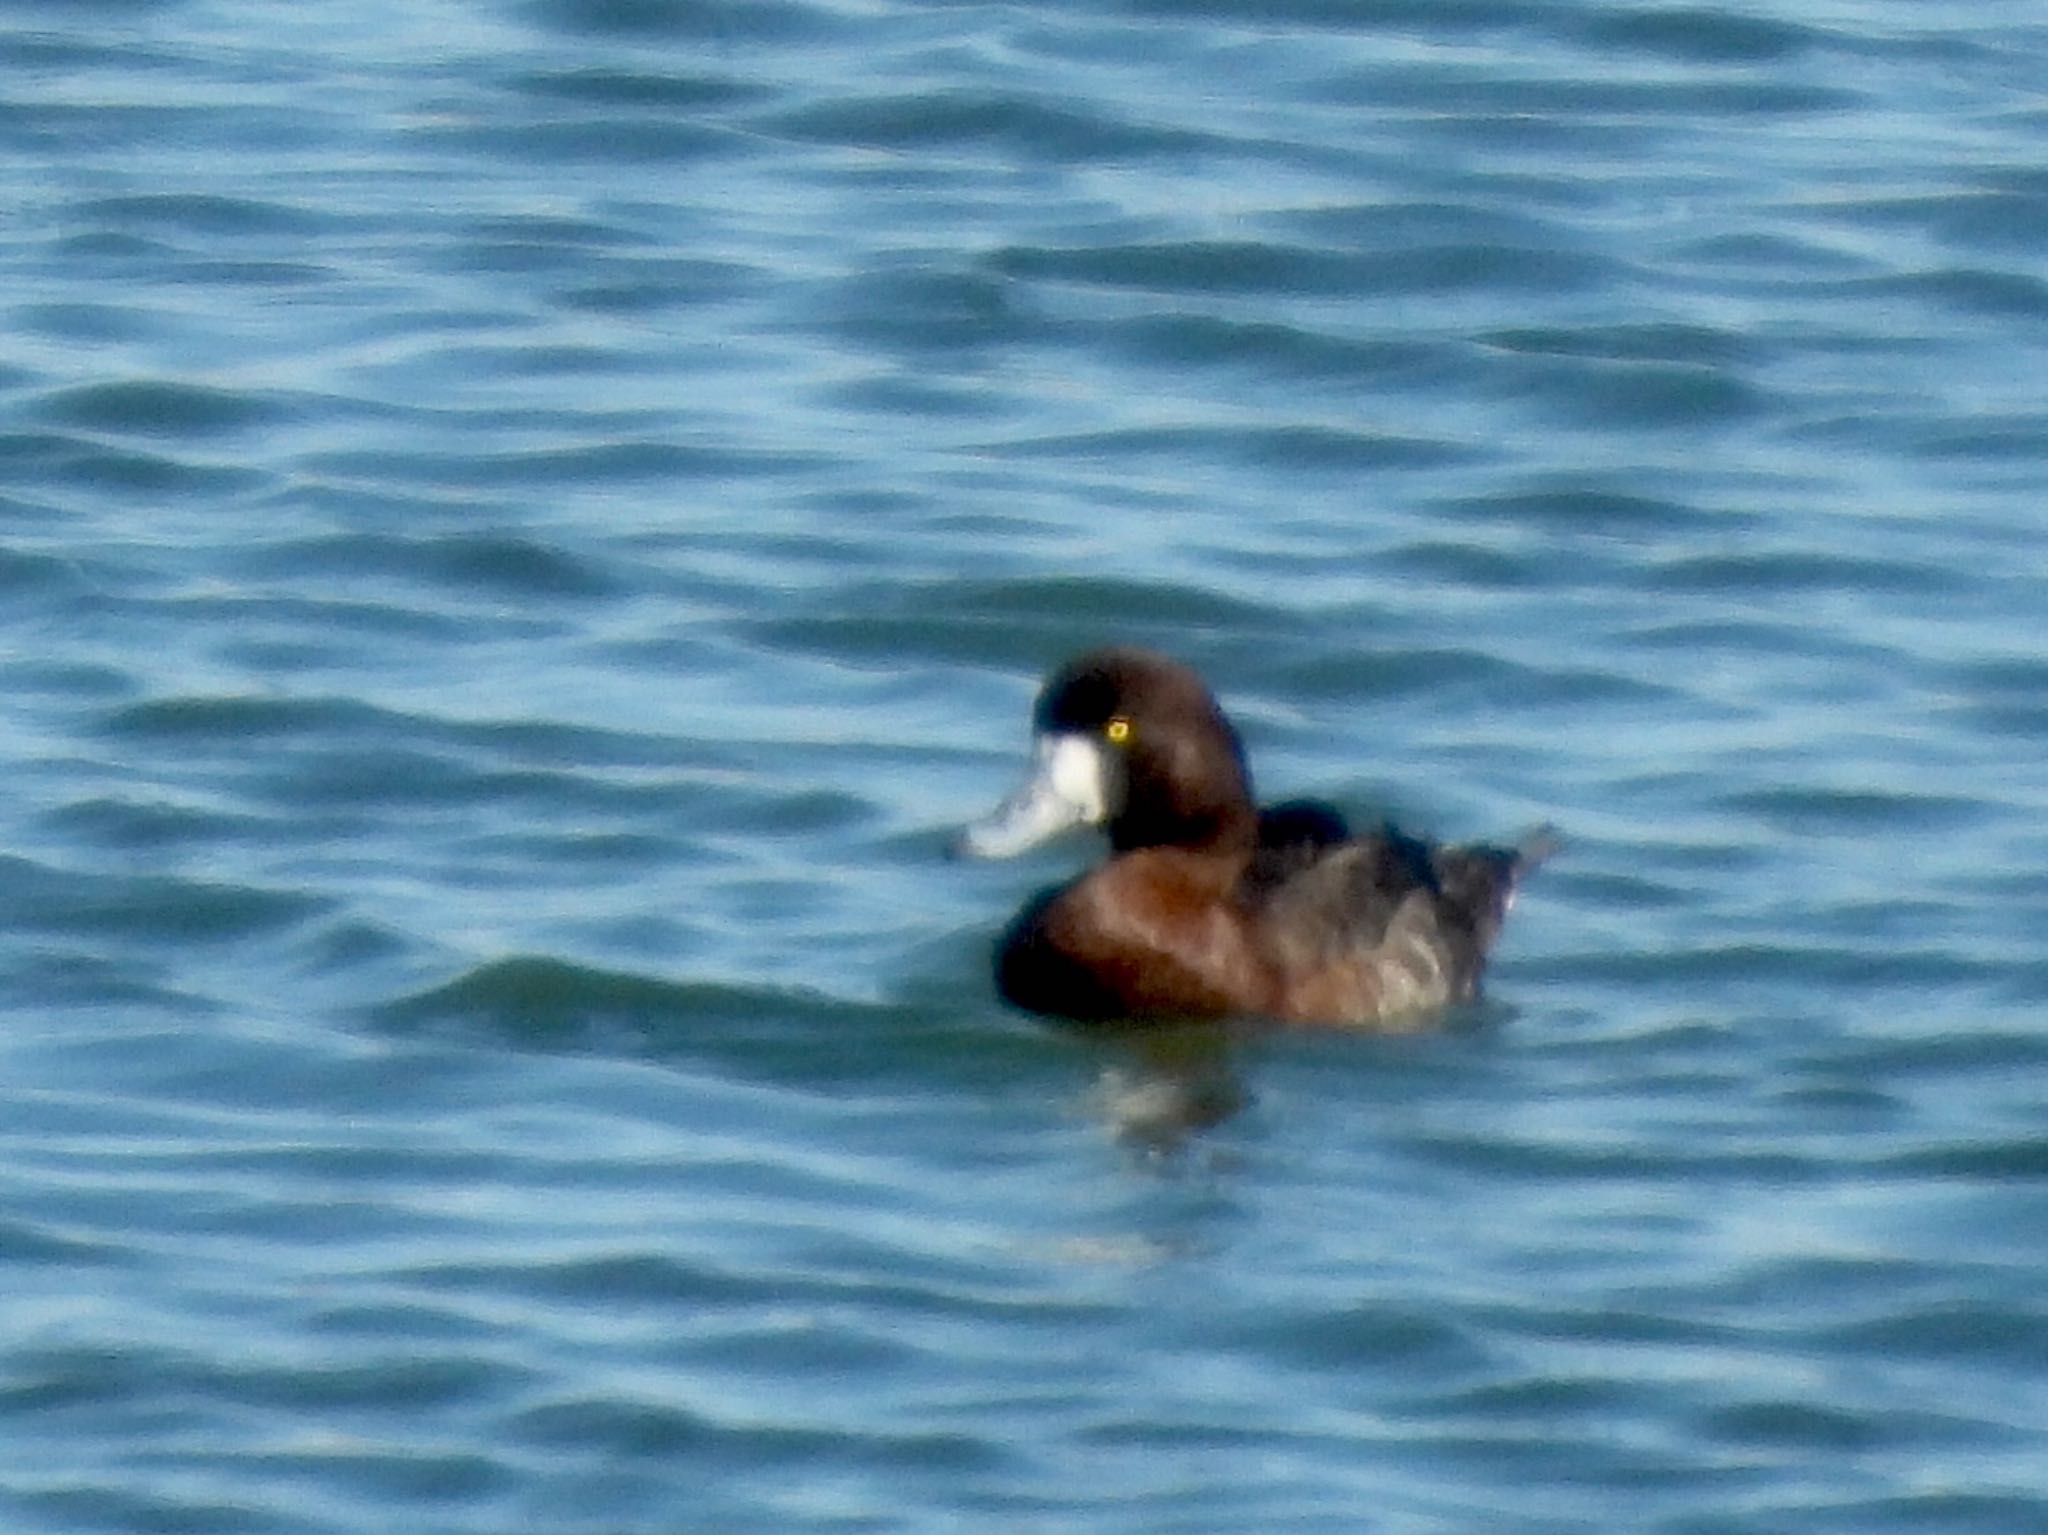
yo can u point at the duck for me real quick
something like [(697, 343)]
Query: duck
[(1208, 907)]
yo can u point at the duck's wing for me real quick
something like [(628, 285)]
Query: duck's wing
[(1292, 836), (1392, 921), (1343, 894)]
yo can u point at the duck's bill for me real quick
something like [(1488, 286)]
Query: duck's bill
[(1068, 787)]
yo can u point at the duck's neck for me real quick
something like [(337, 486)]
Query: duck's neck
[(1223, 823)]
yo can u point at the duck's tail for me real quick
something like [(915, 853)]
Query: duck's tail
[(1483, 881), (1534, 848)]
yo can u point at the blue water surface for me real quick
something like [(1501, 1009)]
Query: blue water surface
[(524, 526)]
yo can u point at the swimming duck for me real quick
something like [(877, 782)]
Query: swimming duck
[(1208, 907)]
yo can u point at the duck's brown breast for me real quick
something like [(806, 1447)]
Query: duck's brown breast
[(1154, 933)]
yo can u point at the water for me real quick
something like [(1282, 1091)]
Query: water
[(524, 527)]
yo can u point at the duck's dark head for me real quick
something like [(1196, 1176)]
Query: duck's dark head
[(1134, 742)]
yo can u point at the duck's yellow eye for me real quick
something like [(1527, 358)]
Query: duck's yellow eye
[(1118, 730)]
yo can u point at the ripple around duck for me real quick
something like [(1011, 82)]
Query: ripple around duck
[(191, 213), (1809, 810), (347, 758), (2004, 1338), (1463, 563), (1199, 267), (159, 408), (1016, 623), (1879, 970), (2007, 697), (133, 826), (1270, 348), (472, 564), (545, 1003), (83, 463), (925, 310), (1455, 18), (948, 118), (1539, 1161), (656, 92), (237, 720), (146, 909), (1993, 446), (2008, 1159), (1447, 674), (337, 747), (619, 1425), (2009, 212), (1665, 342), (1801, 570), (604, 140), (1681, 396), (1592, 110), (30, 1243), (95, 323), (29, 578), (1910, 1513), (773, 1037), (1700, 34), (102, 1507), (622, 460), (1305, 447), (1372, 1338), (1975, 291), (1584, 509), (410, 1379), (736, 22)]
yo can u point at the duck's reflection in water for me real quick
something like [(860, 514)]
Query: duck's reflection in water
[(1161, 1083)]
